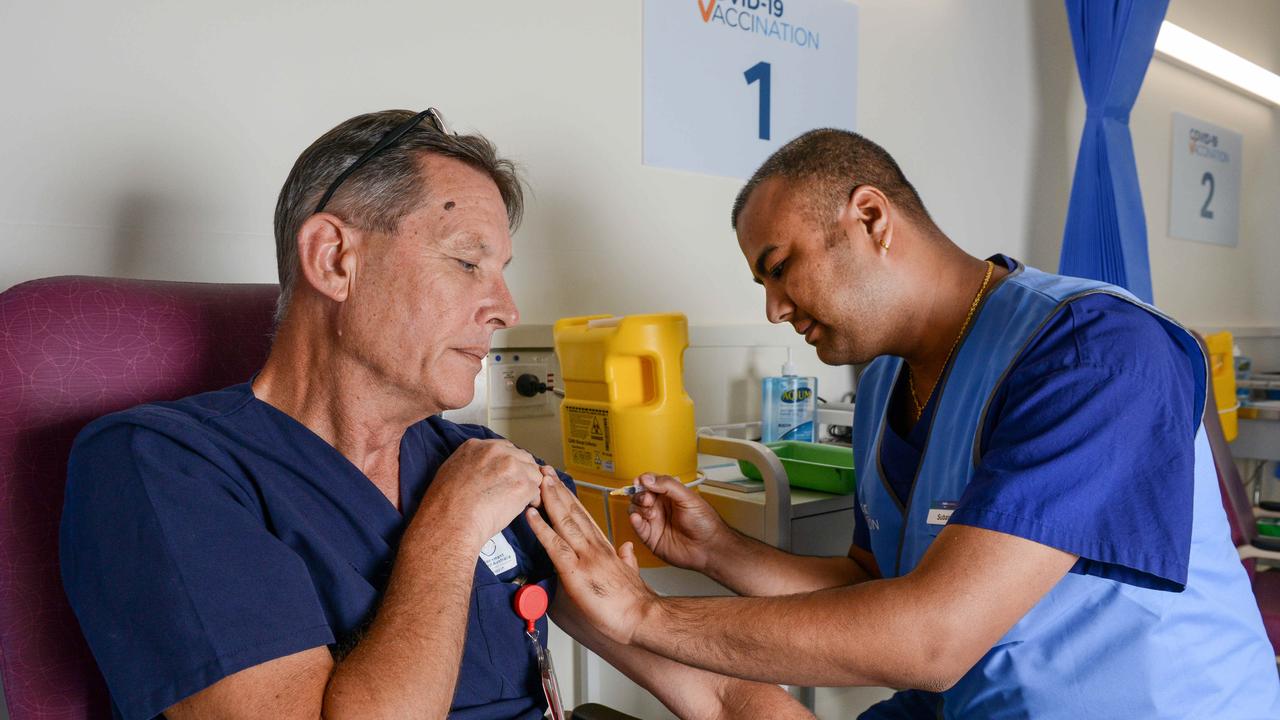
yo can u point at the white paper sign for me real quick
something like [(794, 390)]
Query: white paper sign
[(727, 82), (1204, 190)]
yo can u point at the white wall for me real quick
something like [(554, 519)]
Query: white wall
[(150, 139), (1207, 285)]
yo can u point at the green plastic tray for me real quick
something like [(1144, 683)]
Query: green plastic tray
[(1269, 526), (826, 468)]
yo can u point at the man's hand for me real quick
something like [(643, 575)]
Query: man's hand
[(605, 585), (485, 484), (675, 522)]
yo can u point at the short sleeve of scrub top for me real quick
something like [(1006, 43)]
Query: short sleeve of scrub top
[(1088, 447), (185, 587)]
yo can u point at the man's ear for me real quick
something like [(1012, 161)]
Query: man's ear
[(326, 254), (868, 208)]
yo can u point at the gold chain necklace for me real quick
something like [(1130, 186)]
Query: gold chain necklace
[(973, 307)]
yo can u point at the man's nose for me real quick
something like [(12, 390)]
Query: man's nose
[(501, 310), (777, 306)]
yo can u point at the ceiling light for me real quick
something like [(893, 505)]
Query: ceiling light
[(1219, 63)]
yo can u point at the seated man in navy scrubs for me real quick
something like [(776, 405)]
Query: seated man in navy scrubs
[(306, 544)]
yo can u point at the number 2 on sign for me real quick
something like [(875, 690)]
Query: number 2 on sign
[(760, 72), (1205, 212)]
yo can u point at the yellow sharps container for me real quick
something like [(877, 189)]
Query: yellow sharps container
[(625, 410), (1222, 372)]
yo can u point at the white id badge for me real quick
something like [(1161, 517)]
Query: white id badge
[(498, 555), (940, 512)]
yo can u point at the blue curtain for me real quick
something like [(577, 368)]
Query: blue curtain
[(1106, 234)]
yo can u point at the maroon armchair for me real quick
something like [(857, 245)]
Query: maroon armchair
[(73, 349)]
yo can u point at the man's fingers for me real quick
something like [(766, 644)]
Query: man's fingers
[(524, 457), (544, 471)]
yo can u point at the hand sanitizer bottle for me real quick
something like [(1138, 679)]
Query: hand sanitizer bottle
[(789, 405)]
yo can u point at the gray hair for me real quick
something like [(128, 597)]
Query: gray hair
[(385, 189), (831, 163)]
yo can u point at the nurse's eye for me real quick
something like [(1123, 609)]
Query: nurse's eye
[(775, 272), (468, 267)]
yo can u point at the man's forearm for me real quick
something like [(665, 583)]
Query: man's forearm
[(406, 665), (750, 567)]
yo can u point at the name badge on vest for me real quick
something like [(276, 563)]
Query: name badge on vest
[(940, 512), (498, 554)]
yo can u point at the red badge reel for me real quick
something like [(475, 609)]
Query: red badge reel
[(530, 605)]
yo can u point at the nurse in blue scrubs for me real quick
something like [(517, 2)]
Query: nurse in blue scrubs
[(318, 541), (1039, 529)]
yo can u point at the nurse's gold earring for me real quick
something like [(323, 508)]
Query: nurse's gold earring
[(884, 245)]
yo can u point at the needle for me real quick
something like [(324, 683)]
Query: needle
[(637, 488)]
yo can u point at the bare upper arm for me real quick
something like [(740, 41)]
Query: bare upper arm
[(974, 584), (290, 687)]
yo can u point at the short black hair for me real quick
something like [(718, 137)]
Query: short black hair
[(834, 162)]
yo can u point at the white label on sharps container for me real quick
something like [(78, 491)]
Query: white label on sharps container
[(940, 513), (498, 555)]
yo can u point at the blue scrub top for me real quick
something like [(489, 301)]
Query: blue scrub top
[(1084, 446), (211, 534)]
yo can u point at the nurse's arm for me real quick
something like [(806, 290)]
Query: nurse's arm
[(923, 630), (749, 567), (687, 692)]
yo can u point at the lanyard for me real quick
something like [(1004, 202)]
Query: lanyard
[(530, 605)]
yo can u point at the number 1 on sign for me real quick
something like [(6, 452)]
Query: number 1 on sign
[(760, 72)]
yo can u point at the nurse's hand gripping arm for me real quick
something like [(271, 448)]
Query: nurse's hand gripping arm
[(688, 692), (922, 630), (406, 663), (680, 527)]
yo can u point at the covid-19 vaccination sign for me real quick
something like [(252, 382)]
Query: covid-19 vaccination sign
[(1204, 192), (727, 82)]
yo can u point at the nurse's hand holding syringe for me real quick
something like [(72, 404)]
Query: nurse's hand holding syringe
[(635, 488), (675, 522)]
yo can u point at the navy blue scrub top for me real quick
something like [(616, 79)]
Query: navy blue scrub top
[(1084, 447), (211, 534)]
